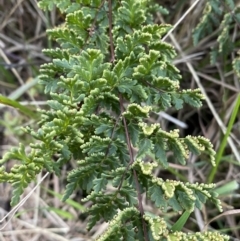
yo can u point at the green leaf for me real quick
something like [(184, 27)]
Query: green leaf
[(99, 184), (149, 130), (17, 154), (185, 201), (163, 101), (17, 192), (227, 188), (49, 4), (104, 208), (131, 13), (69, 190), (200, 199), (135, 110), (193, 145), (192, 97), (147, 64), (130, 194), (177, 101), (126, 86), (70, 202), (6, 101), (46, 4), (236, 64), (169, 189), (178, 150), (160, 153), (62, 63), (134, 133), (102, 128), (157, 196), (129, 233), (165, 84), (145, 145), (61, 213), (175, 204), (178, 226)]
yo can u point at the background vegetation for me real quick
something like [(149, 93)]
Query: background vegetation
[(202, 64)]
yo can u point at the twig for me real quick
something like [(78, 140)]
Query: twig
[(130, 149), (140, 206), (110, 30), (91, 29)]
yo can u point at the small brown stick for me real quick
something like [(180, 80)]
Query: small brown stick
[(110, 30), (130, 149)]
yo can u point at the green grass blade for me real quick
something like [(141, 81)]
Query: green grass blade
[(224, 141), (6, 101), (22, 89), (229, 187), (69, 201), (181, 222), (61, 213)]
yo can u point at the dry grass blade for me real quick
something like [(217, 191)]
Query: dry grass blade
[(181, 19), (5, 21), (227, 213), (208, 77), (16, 208)]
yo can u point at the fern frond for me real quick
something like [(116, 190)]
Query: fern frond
[(219, 15), (99, 117)]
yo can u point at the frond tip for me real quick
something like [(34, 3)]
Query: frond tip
[(118, 224)]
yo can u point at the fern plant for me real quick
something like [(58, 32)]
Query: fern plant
[(110, 72), (221, 16)]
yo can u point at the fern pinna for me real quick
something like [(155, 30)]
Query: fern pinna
[(220, 15), (110, 72)]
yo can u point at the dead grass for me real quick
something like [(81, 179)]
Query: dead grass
[(43, 216)]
